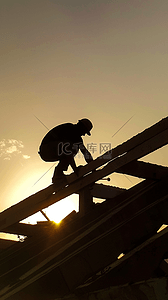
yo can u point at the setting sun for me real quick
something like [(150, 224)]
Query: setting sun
[(61, 209), (57, 211)]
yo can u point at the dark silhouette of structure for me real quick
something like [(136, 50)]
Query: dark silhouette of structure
[(81, 258), (62, 143)]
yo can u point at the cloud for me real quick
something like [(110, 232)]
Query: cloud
[(26, 156), (11, 147)]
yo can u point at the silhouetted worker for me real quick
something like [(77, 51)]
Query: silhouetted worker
[(62, 143)]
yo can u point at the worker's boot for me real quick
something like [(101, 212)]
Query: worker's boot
[(59, 177)]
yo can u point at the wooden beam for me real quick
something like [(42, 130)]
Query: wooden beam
[(22, 229), (139, 139), (85, 200), (145, 170), (4, 244), (19, 209), (105, 191), (139, 146), (139, 264)]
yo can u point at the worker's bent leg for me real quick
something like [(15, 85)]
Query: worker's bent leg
[(63, 165), (59, 169), (58, 172)]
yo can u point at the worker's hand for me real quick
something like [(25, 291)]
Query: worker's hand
[(88, 158), (87, 155)]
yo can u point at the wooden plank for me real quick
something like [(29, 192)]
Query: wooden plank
[(20, 207), (45, 197), (22, 229), (106, 191), (139, 264), (153, 288), (143, 260), (128, 145), (145, 170)]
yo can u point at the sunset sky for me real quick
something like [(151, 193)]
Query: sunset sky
[(63, 60)]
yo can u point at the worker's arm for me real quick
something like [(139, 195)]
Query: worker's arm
[(88, 157), (73, 165)]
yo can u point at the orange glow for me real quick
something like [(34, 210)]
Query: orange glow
[(57, 211), (61, 209)]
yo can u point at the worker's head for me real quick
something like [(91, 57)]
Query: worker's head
[(85, 125)]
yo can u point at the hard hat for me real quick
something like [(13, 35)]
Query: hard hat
[(88, 125)]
